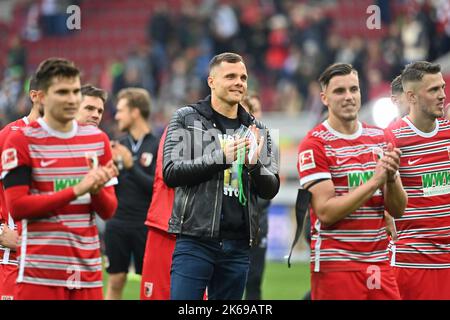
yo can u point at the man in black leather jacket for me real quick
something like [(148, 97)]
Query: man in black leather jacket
[(218, 176)]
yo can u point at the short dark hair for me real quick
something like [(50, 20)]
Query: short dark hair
[(415, 71), (337, 69), (137, 98), (32, 83), (54, 67), (229, 57), (91, 91), (396, 85)]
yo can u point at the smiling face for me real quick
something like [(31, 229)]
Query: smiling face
[(342, 96), (91, 110), (228, 82), (62, 99)]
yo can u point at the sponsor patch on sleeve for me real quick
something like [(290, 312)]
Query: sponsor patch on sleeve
[(148, 289), (306, 160), (9, 159)]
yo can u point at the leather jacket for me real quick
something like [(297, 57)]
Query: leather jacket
[(194, 164)]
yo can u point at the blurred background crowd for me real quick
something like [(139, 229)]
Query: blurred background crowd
[(164, 46)]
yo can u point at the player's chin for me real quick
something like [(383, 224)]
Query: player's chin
[(350, 116), (439, 114), (235, 100), (69, 117), (92, 123)]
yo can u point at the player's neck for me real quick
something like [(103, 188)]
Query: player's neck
[(344, 127), (220, 106), (33, 115), (139, 129), (422, 122), (58, 125)]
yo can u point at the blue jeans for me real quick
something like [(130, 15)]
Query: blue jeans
[(220, 265)]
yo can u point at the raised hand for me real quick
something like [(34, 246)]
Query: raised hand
[(95, 179), (121, 152), (231, 148), (260, 145), (391, 161), (9, 238)]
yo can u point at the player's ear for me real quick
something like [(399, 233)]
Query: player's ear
[(323, 97), (210, 82), (411, 97)]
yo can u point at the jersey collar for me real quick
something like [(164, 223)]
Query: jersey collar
[(338, 134), (59, 134), (421, 133)]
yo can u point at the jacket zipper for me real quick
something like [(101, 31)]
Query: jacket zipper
[(192, 127), (215, 208), (248, 209), (184, 209)]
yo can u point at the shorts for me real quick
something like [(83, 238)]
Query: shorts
[(124, 243), (8, 276), (423, 284), (27, 291), (371, 284), (155, 282)]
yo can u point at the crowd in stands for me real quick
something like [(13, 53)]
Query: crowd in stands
[(285, 43)]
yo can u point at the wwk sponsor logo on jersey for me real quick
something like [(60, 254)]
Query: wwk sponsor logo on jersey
[(355, 179), (436, 183), (61, 184)]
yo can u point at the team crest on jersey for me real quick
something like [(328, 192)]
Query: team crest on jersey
[(91, 159), (148, 289), (146, 159), (9, 159), (306, 160), (377, 153)]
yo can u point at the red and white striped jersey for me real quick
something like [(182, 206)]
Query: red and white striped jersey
[(63, 249), (360, 239), (8, 256), (424, 229)]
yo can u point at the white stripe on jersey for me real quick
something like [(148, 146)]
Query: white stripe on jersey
[(23, 250)]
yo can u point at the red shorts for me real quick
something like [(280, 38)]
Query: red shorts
[(373, 284), (423, 284), (27, 291), (155, 283), (8, 276)]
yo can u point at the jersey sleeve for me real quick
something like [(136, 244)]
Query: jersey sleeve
[(312, 163), (15, 152), (106, 157), (107, 153)]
